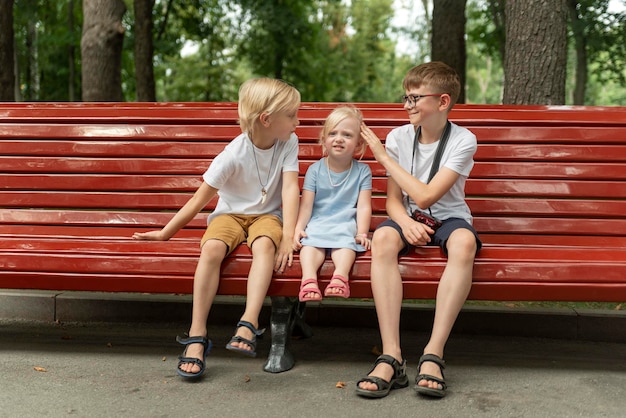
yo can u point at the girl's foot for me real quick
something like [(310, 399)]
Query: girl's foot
[(309, 291), (338, 287)]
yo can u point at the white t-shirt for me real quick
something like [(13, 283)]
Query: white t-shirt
[(241, 171), (457, 156)]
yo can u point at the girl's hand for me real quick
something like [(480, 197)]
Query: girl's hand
[(363, 240), (297, 245), (150, 236)]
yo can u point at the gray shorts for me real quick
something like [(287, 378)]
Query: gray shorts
[(439, 238)]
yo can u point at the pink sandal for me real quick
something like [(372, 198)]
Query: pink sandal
[(343, 286), (303, 292)]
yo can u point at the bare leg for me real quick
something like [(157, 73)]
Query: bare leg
[(387, 290), (205, 283), (311, 258), (454, 286), (343, 259), (259, 279)]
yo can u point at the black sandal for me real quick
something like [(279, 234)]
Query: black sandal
[(206, 343), (251, 343), (424, 390), (399, 379)]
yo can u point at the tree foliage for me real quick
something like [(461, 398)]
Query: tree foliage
[(331, 50)]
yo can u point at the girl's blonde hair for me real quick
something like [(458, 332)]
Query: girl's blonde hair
[(264, 95), (336, 116)]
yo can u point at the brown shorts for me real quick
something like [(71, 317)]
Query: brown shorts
[(235, 229)]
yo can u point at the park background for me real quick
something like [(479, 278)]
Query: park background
[(512, 52)]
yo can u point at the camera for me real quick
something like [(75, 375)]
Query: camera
[(427, 220)]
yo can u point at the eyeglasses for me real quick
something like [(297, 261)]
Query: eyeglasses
[(412, 99)]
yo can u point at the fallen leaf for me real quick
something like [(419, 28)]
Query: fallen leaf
[(40, 369), (340, 385), (246, 378), (376, 351), (163, 359)]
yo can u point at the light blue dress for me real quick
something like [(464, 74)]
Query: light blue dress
[(333, 219)]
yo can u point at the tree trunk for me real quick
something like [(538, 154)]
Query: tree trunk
[(7, 68), (448, 40), (101, 50), (536, 52), (580, 45), (144, 51)]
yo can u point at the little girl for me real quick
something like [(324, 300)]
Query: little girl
[(335, 208)]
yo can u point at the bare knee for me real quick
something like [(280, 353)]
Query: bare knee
[(263, 245), (462, 244), (386, 243), (213, 251)]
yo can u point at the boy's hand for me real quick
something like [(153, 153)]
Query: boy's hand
[(416, 233), (150, 236), (373, 141), (284, 256)]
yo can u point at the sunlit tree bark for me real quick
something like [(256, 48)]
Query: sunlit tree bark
[(144, 49), (101, 50), (536, 52), (448, 41)]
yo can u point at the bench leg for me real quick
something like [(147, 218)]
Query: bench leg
[(300, 327), (286, 315)]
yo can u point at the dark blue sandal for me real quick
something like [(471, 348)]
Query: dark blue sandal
[(399, 379), (252, 343), (424, 390), (206, 343)]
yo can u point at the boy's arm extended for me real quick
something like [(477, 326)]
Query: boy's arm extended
[(424, 195), (194, 205), (290, 196)]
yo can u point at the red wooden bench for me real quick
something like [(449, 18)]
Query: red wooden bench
[(548, 193)]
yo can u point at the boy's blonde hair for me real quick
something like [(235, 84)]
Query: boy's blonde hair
[(437, 75), (336, 116), (264, 95)]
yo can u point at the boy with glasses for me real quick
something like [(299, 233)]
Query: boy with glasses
[(426, 206)]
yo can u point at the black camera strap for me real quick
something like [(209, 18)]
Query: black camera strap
[(438, 153)]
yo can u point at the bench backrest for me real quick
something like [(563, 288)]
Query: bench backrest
[(542, 173)]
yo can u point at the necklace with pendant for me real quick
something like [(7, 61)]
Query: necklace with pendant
[(342, 181), (269, 171)]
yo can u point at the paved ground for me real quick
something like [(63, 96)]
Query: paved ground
[(118, 369)]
